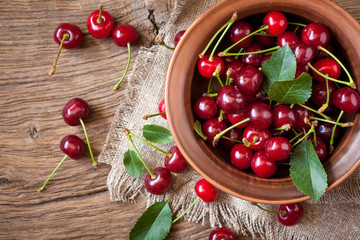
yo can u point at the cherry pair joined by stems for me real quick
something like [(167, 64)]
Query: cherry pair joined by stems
[(68, 36)]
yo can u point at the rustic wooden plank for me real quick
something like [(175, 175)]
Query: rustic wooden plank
[(76, 203)]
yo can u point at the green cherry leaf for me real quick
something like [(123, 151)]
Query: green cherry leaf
[(281, 66), (307, 172), (296, 91), (157, 134), (154, 223), (133, 164), (198, 130)]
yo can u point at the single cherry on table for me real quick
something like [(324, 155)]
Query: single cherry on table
[(159, 184), (100, 23), (222, 234)]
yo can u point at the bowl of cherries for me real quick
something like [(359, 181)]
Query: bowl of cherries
[(262, 98)]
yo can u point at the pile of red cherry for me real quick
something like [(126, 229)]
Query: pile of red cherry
[(260, 133)]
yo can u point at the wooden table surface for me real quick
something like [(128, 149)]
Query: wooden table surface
[(76, 202)]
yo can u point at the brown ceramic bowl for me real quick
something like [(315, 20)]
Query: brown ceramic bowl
[(184, 87)]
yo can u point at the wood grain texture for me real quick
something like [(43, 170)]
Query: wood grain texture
[(76, 203)]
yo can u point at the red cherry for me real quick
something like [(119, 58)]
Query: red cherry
[(289, 38), (235, 134), (276, 21), (304, 53), (161, 183), (315, 34), (319, 93), (324, 131), (300, 113), (222, 234), (326, 66), (207, 192), (278, 148), (230, 99), (293, 214), (72, 146), (100, 28), (235, 66), (238, 117), (74, 110), (320, 148), (241, 156), (283, 115), (347, 100), (178, 37), (207, 68), (176, 163), (262, 135), (161, 108), (265, 41), (240, 30), (75, 35), (261, 116), (122, 34), (205, 108), (262, 166), (253, 59), (212, 127), (249, 80)]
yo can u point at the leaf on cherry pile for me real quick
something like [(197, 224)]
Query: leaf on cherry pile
[(281, 66), (198, 129), (307, 172), (296, 91), (157, 134), (154, 223), (133, 164)]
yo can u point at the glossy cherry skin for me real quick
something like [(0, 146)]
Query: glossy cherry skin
[(75, 109), (176, 163), (122, 34), (300, 114), (161, 108), (241, 156), (238, 117), (72, 146), (178, 37), (75, 35), (249, 80), (161, 183), (230, 99), (212, 127), (304, 53), (235, 66), (347, 100), (206, 191), (319, 93), (205, 108), (261, 116), (289, 38), (326, 66), (265, 41), (320, 149), (324, 131), (240, 30), (283, 115), (253, 59), (207, 68), (222, 234), (262, 166), (236, 134), (315, 34), (278, 148), (276, 21), (104, 28), (262, 135), (293, 215)]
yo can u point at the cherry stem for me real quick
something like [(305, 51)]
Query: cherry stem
[(214, 37), (347, 124), (283, 163), (53, 69), (265, 34), (285, 127), (330, 78), (247, 36), (297, 24), (351, 81), (248, 53), (219, 135), (182, 214), (313, 110), (296, 136), (162, 43), (232, 20), (297, 28), (334, 128), (228, 73), (95, 164), (248, 144), (217, 75), (99, 20), (312, 129), (283, 212), (149, 144), (237, 57), (231, 139), (209, 85), (326, 104), (141, 159), (43, 186), (146, 117), (127, 67)]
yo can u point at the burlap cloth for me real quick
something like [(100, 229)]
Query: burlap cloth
[(336, 216)]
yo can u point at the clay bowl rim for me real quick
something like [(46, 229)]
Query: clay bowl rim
[(179, 108)]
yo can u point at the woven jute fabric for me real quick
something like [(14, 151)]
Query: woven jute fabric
[(336, 216)]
